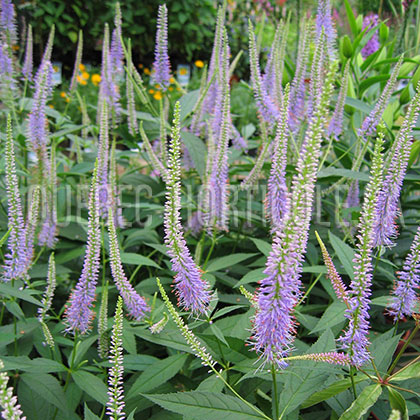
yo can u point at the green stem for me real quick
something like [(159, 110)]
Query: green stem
[(274, 393), (401, 352), (353, 384), (213, 243)]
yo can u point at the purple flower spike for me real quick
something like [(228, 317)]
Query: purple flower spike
[(274, 324), (136, 305), (369, 22), (324, 22), (398, 157), (7, 22), (28, 64), (79, 311), (404, 296), (278, 199), (355, 338), (161, 64), (192, 291)]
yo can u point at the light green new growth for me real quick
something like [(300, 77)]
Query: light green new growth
[(157, 327), (249, 296), (115, 404), (49, 291), (198, 349), (8, 402)]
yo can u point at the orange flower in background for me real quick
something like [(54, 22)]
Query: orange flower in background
[(151, 91), (82, 67), (171, 80), (157, 87), (15, 47), (158, 95), (96, 79), (63, 94), (170, 88), (199, 64), (146, 71), (141, 66), (183, 72), (85, 75)]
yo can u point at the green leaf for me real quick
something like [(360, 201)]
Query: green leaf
[(332, 316), (362, 403), (397, 402), (251, 277), (410, 372), (370, 81), (25, 294), (218, 333), (227, 261), (341, 172), (305, 377), (332, 390), (197, 151), (92, 385), (89, 415), (344, 253), (136, 259), (206, 405), (47, 387), (188, 102), (262, 246), (350, 17), (37, 365), (157, 374)]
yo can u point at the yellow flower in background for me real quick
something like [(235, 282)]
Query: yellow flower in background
[(55, 68), (171, 80), (96, 79), (63, 94), (146, 71), (199, 64), (51, 106), (157, 87), (170, 88), (67, 100), (82, 67), (183, 72), (151, 91), (81, 81), (85, 75), (15, 47), (158, 95)]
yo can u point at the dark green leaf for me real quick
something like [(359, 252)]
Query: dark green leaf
[(362, 403), (92, 385)]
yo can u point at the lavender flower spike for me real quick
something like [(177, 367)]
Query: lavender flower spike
[(49, 292), (103, 159), (79, 311), (265, 104), (404, 297), (372, 120), (369, 22), (77, 61), (355, 338), (16, 259), (277, 199), (218, 188), (274, 325), (335, 127), (135, 304), (7, 22), (161, 64), (398, 157), (324, 22), (192, 291), (115, 404), (28, 64), (31, 224), (8, 402)]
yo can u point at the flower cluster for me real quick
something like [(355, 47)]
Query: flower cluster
[(161, 65)]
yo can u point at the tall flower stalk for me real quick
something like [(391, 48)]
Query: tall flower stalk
[(218, 187), (77, 62), (274, 325), (161, 65), (115, 404), (8, 402), (79, 311), (278, 199), (404, 297), (135, 304), (16, 266), (28, 64), (192, 291), (398, 157), (355, 338)]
